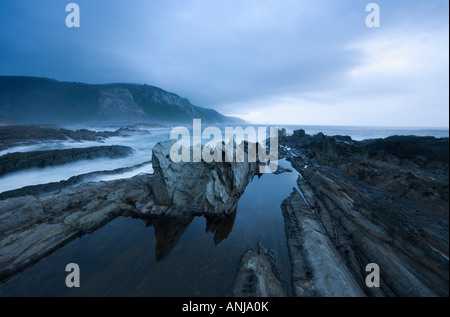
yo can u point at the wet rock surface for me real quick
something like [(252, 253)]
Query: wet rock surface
[(13, 162), (378, 201), (317, 267), (40, 189), (356, 203), (15, 135), (33, 226), (258, 275)]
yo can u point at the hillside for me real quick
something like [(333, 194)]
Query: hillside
[(43, 100)]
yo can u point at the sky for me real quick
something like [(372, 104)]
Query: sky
[(267, 61)]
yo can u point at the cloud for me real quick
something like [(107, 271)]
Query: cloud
[(401, 81), (258, 59)]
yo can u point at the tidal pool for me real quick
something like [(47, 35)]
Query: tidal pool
[(166, 256)]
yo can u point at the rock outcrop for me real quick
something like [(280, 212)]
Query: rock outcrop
[(199, 188), (317, 267), (13, 162), (377, 201), (33, 226), (258, 275), (35, 190), (16, 135)]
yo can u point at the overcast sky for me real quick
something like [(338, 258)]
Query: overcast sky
[(266, 61)]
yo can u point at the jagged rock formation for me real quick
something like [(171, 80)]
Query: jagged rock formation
[(258, 275), (17, 161), (199, 187), (382, 201)]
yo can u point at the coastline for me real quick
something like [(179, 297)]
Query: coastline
[(133, 197)]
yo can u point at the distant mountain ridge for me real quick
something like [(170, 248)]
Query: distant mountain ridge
[(44, 100)]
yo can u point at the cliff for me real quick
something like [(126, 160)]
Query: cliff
[(42, 100)]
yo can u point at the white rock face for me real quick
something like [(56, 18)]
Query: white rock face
[(201, 187)]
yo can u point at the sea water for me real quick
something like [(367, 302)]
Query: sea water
[(143, 145)]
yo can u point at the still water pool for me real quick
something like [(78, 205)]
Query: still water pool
[(167, 256)]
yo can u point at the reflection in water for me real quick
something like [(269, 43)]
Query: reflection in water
[(220, 225), (169, 229), (115, 259)]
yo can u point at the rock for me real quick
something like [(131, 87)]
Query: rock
[(281, 170), (414, 169), (373, 227), (35, 190), (131, 132), (13, 135), (33, 227), (13, 162), (202, 188), (299, 134), (317, 267), (258, 275), (379, 201)]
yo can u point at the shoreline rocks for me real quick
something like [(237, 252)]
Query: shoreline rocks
[(35, 190), (15, 135), (13, 162), (357, 203), (258, 275), (377, 201), (317, 268), (209, 188), (32, 227)]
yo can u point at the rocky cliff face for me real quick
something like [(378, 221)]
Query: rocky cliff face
[(118, 102)]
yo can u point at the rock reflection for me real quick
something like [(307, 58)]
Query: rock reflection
[(220, 225), (169, 229)]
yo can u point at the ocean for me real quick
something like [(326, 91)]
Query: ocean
[(143, 145)]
